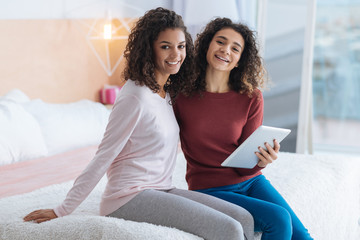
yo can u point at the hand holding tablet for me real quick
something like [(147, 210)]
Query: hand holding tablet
[(244, 156)]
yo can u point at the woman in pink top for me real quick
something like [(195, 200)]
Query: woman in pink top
[(139, 148)]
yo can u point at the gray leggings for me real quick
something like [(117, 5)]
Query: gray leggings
[(193, 212)]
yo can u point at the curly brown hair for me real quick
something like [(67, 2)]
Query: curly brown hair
[(248, 75), (140, 64)]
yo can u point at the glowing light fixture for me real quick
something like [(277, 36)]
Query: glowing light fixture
[(107, 34), (108, 26), (107, 31)]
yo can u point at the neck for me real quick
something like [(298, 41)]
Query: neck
[(161, 80), (217, 81)]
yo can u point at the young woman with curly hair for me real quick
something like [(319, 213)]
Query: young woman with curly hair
[(225, 107), (139, 148)]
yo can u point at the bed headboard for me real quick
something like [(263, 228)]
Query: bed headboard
[(51, 60)]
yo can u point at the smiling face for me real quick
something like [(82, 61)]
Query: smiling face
[(225, 50), (169, 52)]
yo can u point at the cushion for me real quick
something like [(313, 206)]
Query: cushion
[(69, 126), (20, 135), (16, 95)]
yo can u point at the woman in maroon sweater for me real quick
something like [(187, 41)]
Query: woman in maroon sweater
[(225, 107)]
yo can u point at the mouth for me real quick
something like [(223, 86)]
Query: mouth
[(222, 59)]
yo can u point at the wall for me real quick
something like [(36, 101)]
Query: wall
[(45, 52), (72, 9), (42, 57)]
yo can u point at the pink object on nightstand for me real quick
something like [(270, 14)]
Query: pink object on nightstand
[(108, 94)]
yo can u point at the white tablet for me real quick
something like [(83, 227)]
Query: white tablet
[(244, 156)]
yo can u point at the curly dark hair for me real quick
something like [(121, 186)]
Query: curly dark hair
[(139, 55), (248, 75)]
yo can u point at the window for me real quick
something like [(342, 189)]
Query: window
[(336, 76)]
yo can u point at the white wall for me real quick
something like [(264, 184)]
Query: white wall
[(202, 11), (194, 12), (289, 17), (60, 9)]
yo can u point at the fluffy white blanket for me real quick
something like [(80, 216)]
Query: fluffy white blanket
[(323, 190), (84, 222)]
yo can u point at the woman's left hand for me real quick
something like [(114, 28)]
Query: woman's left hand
[(266, 157)]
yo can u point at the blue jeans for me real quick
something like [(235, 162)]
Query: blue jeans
[(272, 214)]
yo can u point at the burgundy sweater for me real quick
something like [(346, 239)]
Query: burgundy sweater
[(211, 128)]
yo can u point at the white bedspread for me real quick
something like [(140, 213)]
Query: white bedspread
[(83, 223), (323, 190)]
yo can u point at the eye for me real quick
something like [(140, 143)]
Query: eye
[(236, 49), (182, 46), (164, 47), (220, 42)]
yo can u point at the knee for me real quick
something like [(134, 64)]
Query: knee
[(225, 229), (283, 216), (247, 222), (242, 215), (235, 230), (282, 220)]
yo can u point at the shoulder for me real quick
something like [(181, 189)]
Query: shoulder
[(257, 100), (257, 92), (257, 95), (251, 102), (130, 96), (132, 88)]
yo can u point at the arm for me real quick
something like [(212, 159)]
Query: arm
[(122, 121), (266, 156), (254, 120)]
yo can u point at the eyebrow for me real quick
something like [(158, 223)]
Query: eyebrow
[(171, 43), (236, 43)]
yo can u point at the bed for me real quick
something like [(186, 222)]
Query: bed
[(38, 164)]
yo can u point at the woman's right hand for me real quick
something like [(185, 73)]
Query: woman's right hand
[(268, 155), (40, 216)]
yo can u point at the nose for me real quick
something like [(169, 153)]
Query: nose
[(175, 53), (225, 49)]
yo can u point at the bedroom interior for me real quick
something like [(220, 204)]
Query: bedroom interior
[(55, 60)]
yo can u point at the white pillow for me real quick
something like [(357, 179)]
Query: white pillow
[(20, 134), (69, 126), (16, 95)]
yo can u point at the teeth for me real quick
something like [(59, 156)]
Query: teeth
[(224, 59), (173, 63)]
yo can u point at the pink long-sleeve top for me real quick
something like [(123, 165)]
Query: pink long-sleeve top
[(138, 151)]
